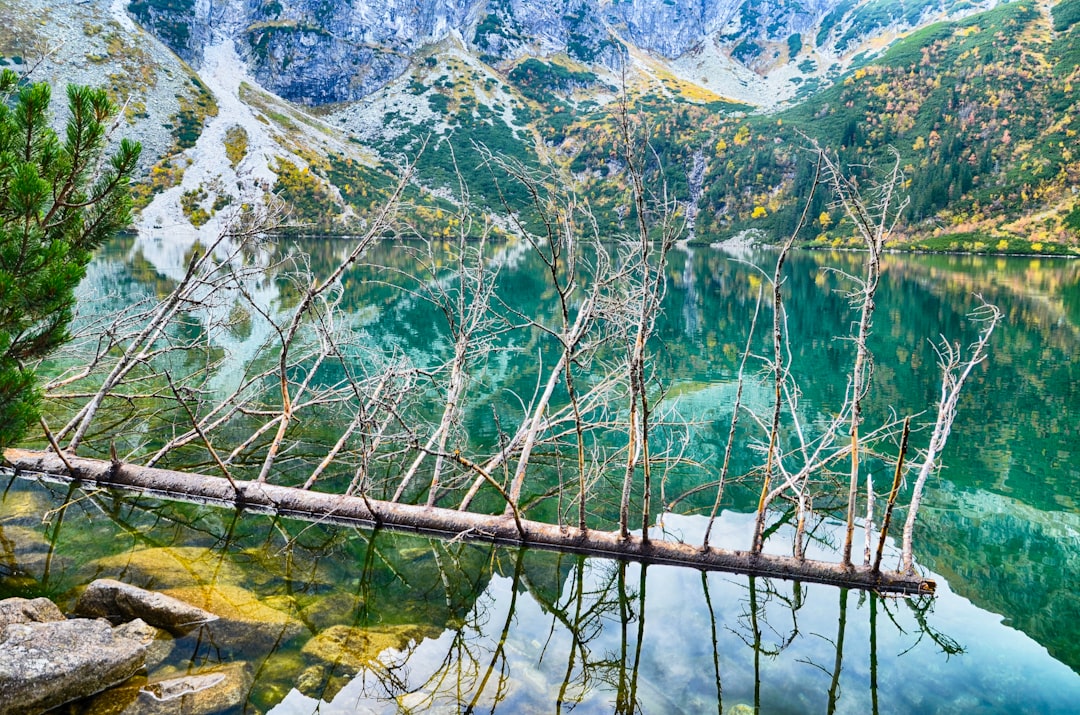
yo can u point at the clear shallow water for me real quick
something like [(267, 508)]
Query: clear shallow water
[(1001, 530), (449, 626)]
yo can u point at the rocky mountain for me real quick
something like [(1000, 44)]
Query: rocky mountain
[(317, 52), (319, 104)]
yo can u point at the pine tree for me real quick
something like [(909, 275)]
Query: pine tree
[(59, 200)]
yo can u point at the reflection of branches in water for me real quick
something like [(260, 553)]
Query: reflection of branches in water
[(921, 608), (597, 602), (834, 685), (386, 677), (584, 609), (715, 643), (601, 605), (592, 600), (148, 523), (389, 675), (873, 653), (627, 616), (630, 703), (765, 602), (54, 537), (756, 614), (575, 634), (498, 657), (593, 607), (462, 674), (215, 535)]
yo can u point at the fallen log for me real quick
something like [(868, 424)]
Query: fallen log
[(446, 523)]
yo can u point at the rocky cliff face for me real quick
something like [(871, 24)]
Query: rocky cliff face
[(319, 52), (673, 27)]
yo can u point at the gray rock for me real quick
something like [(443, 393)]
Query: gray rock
[(209, 691), (25, 610), (44, 665), (120, 602), (159, 644)]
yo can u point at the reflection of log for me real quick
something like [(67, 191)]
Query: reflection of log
[(339, 509)]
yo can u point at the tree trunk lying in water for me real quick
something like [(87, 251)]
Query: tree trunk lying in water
[(451, 523)]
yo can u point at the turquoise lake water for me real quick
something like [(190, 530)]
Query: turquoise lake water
[(455, 627)]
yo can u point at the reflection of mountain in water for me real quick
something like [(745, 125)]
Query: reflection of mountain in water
[(1009, 558), (1020, 458)]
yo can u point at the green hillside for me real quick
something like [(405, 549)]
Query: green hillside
[(982, 112)]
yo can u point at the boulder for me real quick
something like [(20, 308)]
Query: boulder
[(244, 621), (213, 690), (120, 602), (26, 610), (44, 665)]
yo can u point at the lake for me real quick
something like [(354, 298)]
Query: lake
[(387, 622)]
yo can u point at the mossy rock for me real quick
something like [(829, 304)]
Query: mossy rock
[(216, 689), (169, 567), (25, 554), (340, 652), (246, 623), (333, 609)]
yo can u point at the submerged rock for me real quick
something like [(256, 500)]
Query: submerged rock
[(338, 607), (26, 553), (207, 691), (244, 622), (160, 650), (349, 649), (118, 602), (340, 652), (278, 673), (24, 508), (44, 665), (170, 567), (25, 610)]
